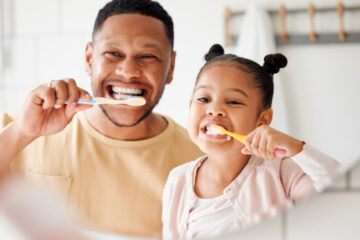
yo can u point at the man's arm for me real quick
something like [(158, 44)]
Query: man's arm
[(11, 143), (47, 110)]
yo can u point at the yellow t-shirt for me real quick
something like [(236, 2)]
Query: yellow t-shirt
[(115, 185)]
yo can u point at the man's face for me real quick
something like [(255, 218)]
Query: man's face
[(130, 55)]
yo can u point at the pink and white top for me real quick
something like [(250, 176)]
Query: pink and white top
[(263, 188)]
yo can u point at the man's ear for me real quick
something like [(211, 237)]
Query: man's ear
[(172, 66), (265, 117), (88, 58)]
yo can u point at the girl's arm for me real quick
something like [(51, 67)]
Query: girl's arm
[(321, 168), (304, 168)]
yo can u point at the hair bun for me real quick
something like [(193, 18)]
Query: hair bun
[(214, 51), (273, 63)]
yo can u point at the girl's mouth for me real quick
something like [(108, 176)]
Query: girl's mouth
[(209, 132)]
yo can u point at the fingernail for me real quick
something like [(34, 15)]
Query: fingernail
[(58, 106)]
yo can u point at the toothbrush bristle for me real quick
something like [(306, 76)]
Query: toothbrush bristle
[(131, 101), (136, 101), (217, 129)]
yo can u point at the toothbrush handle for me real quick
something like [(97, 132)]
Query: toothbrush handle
[(92, 102), (80, 101), (239, 137), (279, 152)]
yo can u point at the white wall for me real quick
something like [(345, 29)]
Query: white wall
[(45, 40)]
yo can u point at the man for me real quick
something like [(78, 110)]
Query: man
[(109, 161)]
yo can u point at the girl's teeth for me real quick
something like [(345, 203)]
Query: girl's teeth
[(228, 138), (209, 131)]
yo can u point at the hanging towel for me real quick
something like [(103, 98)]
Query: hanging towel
[(257, 39)]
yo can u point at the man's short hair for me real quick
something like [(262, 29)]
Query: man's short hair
[(145, 7)]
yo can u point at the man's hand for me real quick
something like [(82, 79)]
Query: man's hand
[(49, 108), (45, 112)]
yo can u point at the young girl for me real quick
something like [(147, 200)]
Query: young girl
[(235, 185)]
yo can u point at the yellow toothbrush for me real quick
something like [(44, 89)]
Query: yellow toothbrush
[(220, 130)]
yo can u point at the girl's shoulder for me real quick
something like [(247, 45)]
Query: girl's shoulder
[(179, 182), (185, 169)]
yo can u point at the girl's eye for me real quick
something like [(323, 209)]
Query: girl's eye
[(204, 100), (234, 103)]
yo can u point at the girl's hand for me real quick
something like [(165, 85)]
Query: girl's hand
[(264, 140)]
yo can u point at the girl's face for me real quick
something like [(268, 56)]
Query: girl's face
[(225, 96)]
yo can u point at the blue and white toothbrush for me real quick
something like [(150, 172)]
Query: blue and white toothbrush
[(131, 101)]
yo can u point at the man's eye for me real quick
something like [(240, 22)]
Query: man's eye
[(111, 53), (148, 56), (204, 100)]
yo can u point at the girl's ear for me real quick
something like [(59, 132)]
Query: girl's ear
[(265, 117)]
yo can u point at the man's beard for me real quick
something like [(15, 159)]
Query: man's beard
[(146, 114)]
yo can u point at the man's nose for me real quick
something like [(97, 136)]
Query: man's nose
[(128, 69), (215, 110)]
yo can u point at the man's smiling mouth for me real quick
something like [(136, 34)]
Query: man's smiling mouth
[(118, 93)]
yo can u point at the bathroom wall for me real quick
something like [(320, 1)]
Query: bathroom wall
[(45, 40), (316, 96)]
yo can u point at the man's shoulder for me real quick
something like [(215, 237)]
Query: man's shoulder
[(6, 118), (179, 131), (181, 140)]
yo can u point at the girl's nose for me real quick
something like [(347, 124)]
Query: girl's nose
[(215, 110), (128, 69)]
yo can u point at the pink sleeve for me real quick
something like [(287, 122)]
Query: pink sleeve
[(306, 172), (170, 204)]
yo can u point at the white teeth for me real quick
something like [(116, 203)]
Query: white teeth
[(210, 131), (118, 96), (120, 90), (228, 138)]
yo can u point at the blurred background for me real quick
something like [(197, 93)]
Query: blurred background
[(316, 96)]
